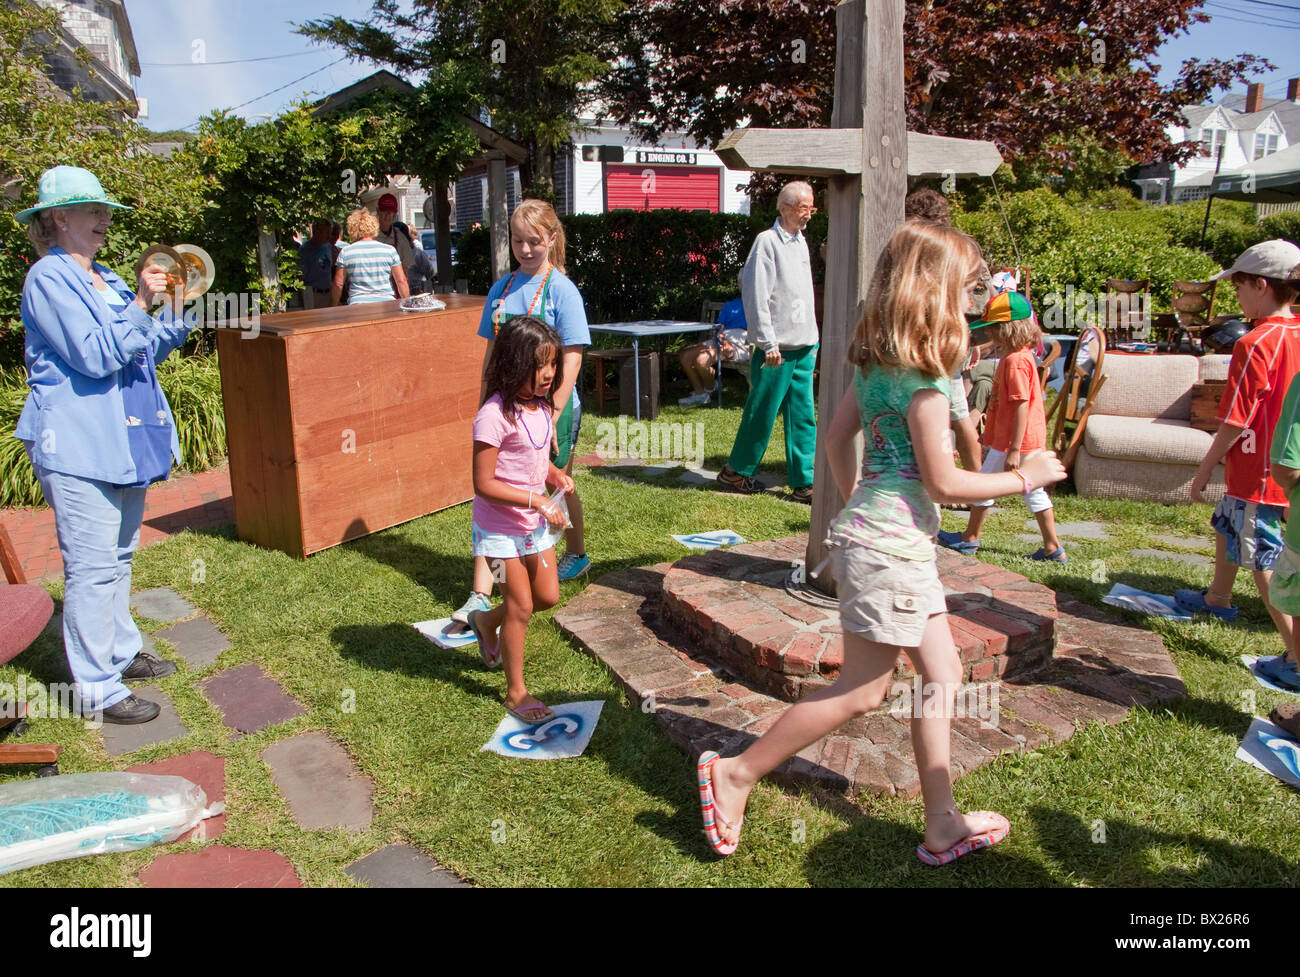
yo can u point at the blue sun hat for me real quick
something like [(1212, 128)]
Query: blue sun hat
[(63, 186)]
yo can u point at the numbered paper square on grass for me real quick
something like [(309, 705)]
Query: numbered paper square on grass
[(563, 737)]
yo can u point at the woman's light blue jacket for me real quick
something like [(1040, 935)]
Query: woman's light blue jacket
[(74, 421)]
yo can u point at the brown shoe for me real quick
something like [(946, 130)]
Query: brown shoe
[(1287, 716), (733, 481), (804, 495)]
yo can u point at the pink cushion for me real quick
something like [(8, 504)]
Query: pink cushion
[(24, 612)]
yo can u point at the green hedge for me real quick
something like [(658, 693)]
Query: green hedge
[(193, 388), (649, 264)]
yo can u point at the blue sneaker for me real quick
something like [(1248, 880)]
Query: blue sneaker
[(476, 602), (1280, 672), (571, 566), (954, 542), (1194, 601)]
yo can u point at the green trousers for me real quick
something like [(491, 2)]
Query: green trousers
[(786, 390)]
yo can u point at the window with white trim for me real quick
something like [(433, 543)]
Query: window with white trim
[(1265, 144), (1211, 141)]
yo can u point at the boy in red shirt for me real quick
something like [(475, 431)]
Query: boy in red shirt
[(1247, 521), (1015, 424)]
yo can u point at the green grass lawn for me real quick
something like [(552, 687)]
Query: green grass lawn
[(1175, 807)]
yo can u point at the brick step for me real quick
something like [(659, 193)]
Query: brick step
[(733, 605)]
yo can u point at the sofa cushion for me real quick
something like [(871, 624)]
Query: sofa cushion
[(1147, 386), (1215, 366), (1146, 439), (1111, 478)]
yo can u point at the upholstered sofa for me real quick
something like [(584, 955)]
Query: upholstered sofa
[(1138, 442)]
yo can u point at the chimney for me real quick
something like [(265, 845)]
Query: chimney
[(1293, 90), (1254, 97)]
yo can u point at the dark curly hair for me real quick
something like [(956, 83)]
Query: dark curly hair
[(516, 357)]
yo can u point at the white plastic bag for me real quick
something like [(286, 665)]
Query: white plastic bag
[(54, 818)]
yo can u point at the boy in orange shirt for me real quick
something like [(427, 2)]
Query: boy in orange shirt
[(1015, 424), (1247, 521)]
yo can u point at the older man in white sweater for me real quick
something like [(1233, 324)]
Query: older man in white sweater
[(777, 288)]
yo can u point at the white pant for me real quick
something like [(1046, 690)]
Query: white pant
[(994, 464)]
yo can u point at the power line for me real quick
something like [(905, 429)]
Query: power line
[(1251, 16), (1257, 23), (205, 64), (274, 90), (1269, 3)]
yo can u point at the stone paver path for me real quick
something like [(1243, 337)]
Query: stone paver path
[(249, 699), (1074, 530), (126, 739), (1192, 559), (198, 642), (161, 604), (1190, 542), (221, 867), (320, 783), (403, 867)]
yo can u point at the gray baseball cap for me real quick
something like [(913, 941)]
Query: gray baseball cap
[(1269, 259)]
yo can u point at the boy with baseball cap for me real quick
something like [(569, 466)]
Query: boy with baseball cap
[(1247, 521)]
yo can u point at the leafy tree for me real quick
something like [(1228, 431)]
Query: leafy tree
[(40, 127), (1028, 78), (530, 64)]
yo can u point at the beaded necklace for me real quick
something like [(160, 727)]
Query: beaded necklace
[(541, 289)]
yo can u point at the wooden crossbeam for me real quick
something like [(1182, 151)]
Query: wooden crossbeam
[(838, 152)]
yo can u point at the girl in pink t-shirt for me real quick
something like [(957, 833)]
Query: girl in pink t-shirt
[(512, 512)]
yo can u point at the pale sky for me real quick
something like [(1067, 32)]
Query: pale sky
[(170, 36)]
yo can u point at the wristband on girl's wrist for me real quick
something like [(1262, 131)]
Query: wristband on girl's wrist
[(1029, 486)]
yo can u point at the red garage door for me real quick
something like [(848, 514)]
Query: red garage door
[(652, 187)]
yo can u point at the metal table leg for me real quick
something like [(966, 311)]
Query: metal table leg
[(636, 373)]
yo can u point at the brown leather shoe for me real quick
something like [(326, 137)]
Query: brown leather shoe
[(733, 481), (1287, 716)]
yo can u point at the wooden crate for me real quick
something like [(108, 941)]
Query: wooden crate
[(1205, 403), (342, 422)]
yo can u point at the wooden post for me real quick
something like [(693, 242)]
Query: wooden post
[(442, 226), (864, 209), (497, 216)]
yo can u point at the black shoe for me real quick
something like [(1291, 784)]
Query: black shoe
[(130, 711), (145, 665), (732, 480)]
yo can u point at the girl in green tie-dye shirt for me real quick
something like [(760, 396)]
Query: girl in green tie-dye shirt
[(911, 339)]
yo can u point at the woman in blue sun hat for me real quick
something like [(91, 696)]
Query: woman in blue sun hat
[(96, 426)]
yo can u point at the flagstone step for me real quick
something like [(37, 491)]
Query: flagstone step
[(161, 604), (198, 642), (320, 783), (221, 867), (248, 699), (403, 867), (119, 740)]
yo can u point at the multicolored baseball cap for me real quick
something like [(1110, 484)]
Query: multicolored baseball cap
[(1007, 307)]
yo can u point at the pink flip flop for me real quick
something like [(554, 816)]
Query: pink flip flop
[(985, 839), (709, 810)]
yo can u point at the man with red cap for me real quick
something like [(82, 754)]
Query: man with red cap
[(395, 233)]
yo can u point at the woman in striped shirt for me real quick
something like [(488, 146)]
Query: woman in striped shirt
[(373, 268)]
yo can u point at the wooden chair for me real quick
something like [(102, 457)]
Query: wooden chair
[(1125, 308), (1051, 356), (1193, 308), (1022, 276), (24, 612), (1066, 407)]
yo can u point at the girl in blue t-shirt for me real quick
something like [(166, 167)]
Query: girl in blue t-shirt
[(539, 287), (912, 338)]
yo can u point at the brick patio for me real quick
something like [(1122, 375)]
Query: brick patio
[(706, 642)]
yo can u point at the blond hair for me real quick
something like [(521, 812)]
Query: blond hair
[(541, 217), (1018, 334), (362, 224), (916, 304), (40, 231)]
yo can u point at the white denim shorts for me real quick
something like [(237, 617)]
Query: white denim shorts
[(885, 598), (994, 464)]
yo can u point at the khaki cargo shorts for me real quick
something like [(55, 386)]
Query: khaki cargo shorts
[(885, 598)]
